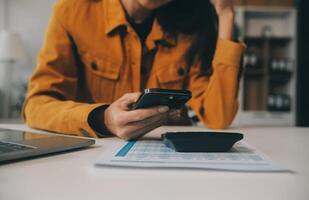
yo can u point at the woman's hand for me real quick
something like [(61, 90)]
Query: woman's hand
[(130, 124), (226, 14)]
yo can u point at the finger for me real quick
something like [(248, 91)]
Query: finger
[(127, 117), (174, 114), (130, 98), (142, 114), (145, 130), (150, 120), (136, 129), (139, 129)]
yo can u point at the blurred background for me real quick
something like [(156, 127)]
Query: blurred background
[(274, 88)]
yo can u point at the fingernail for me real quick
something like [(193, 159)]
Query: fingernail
[(163, 109)]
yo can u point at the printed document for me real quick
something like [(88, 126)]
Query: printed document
[(154, 154)]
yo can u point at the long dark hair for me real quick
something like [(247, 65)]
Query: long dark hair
[(197, 18)]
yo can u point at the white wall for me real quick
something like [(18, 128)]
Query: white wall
[(29, 18), (1, 14)]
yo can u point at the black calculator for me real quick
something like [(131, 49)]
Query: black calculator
[(201, 141)]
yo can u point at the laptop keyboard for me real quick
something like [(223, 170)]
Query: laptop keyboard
[(6, 147)]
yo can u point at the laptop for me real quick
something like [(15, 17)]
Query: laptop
[(16, 145)]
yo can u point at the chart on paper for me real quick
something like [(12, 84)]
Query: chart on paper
[(153, 153)]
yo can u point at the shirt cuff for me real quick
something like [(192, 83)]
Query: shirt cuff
[(80, 117), (96, 121), (229, 52)]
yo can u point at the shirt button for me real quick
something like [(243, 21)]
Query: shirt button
[(94, 65), (181, 72)]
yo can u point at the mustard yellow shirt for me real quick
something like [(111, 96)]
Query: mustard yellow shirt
[(91, 56)]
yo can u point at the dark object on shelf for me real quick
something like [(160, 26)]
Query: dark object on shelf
[(201, 141), (269, 74), (279, 102), (254, 88), (280, 70), (252, 65)]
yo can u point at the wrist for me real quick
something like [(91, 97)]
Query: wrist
[(227, 16), (226, 13), (226, 25)]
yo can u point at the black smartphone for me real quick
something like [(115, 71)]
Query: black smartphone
[(174, 99)]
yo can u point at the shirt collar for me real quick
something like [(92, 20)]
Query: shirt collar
[(115, 17)]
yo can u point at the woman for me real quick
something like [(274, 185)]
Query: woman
[(98, 55)]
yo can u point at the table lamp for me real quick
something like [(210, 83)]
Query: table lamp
[(11, 51)]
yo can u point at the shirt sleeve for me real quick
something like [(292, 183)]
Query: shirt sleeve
[(51, 100), (214, 98)]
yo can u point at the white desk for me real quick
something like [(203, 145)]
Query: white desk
[(73, 176)]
